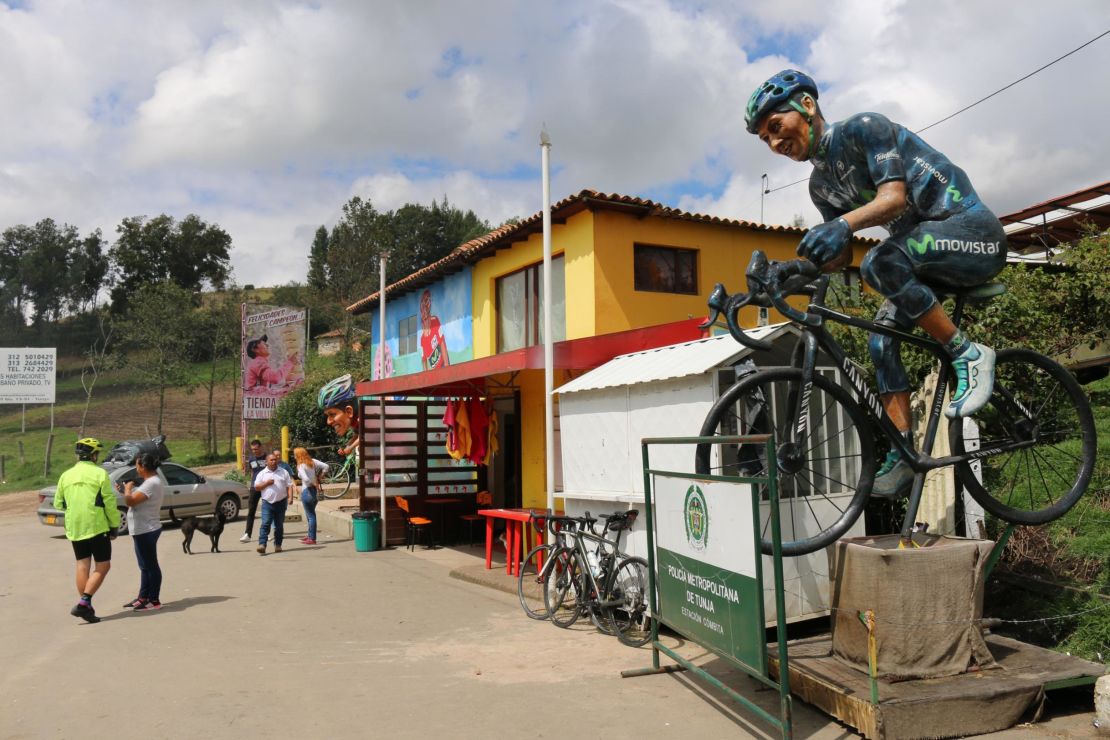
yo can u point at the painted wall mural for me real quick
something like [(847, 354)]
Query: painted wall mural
[(428, 328)]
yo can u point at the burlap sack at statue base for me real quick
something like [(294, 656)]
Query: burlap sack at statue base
[(927, 602)]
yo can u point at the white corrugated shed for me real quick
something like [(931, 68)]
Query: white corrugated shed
[(666, 392), (667, 363)]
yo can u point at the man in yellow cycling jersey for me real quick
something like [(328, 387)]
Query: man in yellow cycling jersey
[(85, 495)]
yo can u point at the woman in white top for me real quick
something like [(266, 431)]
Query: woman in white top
[(144, 521), (309, 470)]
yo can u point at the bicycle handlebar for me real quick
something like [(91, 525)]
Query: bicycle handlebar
[(769, 283)]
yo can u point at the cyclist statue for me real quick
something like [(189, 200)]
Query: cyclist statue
[(869, 171), (337, 400)]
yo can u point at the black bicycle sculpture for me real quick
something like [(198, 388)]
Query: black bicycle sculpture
[(1036, 436)]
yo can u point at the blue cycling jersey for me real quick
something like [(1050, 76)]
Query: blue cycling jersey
[(857, 155), (945, 236)]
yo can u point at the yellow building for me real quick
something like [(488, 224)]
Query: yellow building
[(627, 274)]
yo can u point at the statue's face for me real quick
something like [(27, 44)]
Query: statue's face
[(340, 419)]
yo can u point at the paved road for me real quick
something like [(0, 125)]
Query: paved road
[(326, 642)]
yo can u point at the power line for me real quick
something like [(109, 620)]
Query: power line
[(977, 102)]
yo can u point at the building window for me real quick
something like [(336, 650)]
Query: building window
[(406, 335), (666, 269), (520, 306)]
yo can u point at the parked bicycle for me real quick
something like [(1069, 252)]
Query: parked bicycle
[(539, 565), (1036, 435), (595, 578), (342, 470)]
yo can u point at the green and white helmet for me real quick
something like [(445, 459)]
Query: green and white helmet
[(336, 393), (775, 94)]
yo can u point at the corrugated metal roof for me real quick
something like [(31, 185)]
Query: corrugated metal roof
[(665, 363)]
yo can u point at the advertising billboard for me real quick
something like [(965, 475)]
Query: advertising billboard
[(272, 356), (27, 374)]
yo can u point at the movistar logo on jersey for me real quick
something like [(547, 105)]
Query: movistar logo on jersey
[(695, 513), (931, 244), (956, 195), (940, 176)]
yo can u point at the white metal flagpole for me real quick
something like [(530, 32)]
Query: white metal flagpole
[(381, 399), (548, 352)]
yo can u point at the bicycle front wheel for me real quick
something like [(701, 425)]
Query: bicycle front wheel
[(627, 607), (565, 590), (824, 477), (535, 569), (1038, 404), (338, 480)]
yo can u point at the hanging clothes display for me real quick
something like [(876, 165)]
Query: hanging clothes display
[(458, 424), (471, 430), (491, 433), (479, 426)]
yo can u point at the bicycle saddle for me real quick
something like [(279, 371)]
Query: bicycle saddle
[(975, 294)]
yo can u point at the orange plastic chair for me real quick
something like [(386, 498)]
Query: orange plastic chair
[(414, 524), (483, 499)]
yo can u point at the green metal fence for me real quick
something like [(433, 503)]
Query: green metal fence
[(705, 570)]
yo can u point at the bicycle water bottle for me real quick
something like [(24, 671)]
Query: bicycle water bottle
[(595, 567)]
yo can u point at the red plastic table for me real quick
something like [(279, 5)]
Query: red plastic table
[(515, 519)]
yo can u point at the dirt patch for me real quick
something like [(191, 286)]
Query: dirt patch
[(23, 503), (134, 415)]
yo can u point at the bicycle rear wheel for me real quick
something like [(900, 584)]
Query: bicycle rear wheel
[(534, 571), (1036, 402), (630, 617), (564, 592), (338, 480), (824, 483)]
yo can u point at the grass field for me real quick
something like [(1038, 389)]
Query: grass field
[(122, 409)]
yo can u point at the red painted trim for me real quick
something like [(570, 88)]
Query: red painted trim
[(468, 378)]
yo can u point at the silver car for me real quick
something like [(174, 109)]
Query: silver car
[(187, 493)]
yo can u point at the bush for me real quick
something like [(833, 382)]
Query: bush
[(235, 475), (298, 412)]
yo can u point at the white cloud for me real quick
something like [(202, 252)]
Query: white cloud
[(264, 116)]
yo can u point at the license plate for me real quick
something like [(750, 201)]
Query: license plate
[(50, 518)]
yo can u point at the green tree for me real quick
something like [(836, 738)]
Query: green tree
[(190, 253), (50, 270), (159, 326), (353, 248), (318, 261), (1055, 307), (418, 235)]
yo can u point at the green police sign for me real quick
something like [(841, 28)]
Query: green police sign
[(708, 566)]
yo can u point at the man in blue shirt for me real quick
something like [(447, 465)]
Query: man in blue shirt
[(869, 171)]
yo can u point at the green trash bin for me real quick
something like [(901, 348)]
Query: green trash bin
[(367, 526)]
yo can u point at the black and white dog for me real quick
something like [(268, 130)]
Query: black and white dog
[(213, 527)]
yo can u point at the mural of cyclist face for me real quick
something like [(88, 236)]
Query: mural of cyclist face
[(425, 307), (787, 133), (340, 419)]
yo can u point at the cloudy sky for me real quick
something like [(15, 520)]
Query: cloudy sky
[(265, 117)]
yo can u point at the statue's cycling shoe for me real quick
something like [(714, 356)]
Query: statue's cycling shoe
[(974, 380)]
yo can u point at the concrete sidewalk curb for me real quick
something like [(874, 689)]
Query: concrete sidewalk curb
[(330, 519), (496, 578)]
